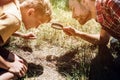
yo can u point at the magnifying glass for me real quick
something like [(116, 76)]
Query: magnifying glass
[(57, 26)]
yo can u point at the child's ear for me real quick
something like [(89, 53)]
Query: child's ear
[(30, 11)]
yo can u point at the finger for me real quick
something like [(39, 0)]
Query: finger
[(33, 37), (22, 73), (21, 61), (68, 33), (19, 74), (24, 68), (30, 37)]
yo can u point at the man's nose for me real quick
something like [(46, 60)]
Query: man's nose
[(75, 16)]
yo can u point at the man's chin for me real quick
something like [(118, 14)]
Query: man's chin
[(82, 22)]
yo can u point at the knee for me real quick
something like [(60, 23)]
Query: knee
[(115, 45), (8, 76)]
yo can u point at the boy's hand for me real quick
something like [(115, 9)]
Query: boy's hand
[(29, 36), (18, 68)]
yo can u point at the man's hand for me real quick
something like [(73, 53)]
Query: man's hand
[(69, 31)]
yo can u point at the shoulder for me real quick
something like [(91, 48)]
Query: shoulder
[(114, 6), (117, 2), (12, 8), (113, 3)]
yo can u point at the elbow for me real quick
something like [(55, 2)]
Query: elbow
[(103, 42), (100, 42)]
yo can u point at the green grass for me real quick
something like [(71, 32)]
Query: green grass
[(61, 14)]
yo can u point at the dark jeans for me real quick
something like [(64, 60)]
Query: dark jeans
[(115, 50), (4, 53), (105, 66)]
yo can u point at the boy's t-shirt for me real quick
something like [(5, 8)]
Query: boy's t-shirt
[(10, 20), (13, 8)]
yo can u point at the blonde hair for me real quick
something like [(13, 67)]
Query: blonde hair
[(41, 6)]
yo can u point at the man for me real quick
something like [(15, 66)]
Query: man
[(107, 13)]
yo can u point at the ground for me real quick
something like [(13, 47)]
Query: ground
[(45, 63)]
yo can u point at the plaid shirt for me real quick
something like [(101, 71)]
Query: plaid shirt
[(108, 15)]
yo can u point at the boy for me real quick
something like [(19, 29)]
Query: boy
[(32, 13)]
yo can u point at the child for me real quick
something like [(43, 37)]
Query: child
[(32, 13)]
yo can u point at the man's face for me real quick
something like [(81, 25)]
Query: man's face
[(80, 11)]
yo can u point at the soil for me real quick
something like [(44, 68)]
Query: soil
[(48, 62)]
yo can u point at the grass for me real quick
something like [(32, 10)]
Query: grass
[(45, 33)]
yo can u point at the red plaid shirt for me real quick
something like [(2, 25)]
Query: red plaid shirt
[(108, 15)]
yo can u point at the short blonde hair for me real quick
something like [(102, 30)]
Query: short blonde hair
[(42, 7)]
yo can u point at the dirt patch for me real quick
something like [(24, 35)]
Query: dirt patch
[(46, 63)]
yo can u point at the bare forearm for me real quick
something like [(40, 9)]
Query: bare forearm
[(4, 64), (17, 34), (92, 38), (100, 39), (29, 35)]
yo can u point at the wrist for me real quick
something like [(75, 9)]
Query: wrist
[(7, 65), (21, 35), (4, 64), (77, 33)]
